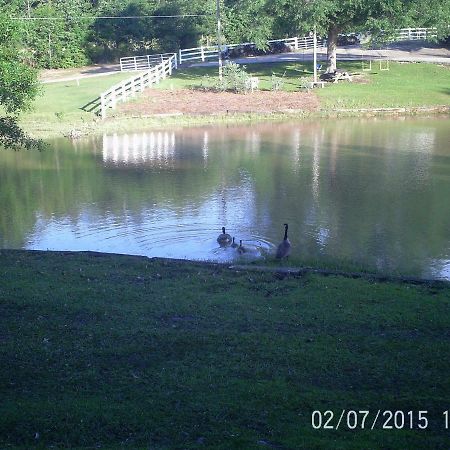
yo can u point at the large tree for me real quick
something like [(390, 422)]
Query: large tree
[(380, 17), (18, 84)]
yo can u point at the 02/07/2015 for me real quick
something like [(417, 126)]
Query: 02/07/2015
[(366, 419)]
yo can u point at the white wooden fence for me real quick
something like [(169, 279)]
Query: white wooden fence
[(414, 34), (134, 63), (132, 86), (205, 53), (197, 54)]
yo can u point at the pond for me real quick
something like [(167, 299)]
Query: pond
[(372, 194)]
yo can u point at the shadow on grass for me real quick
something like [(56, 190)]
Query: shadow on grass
[(92, 106)]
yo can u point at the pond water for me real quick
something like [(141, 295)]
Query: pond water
[(374, 193)]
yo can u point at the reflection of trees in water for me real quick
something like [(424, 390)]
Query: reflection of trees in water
[(351, 189)]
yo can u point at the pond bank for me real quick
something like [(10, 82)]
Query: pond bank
[(124, 124), (102, 349)]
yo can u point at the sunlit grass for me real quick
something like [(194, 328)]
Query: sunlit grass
[(59, 108), (403, 85), (64, 100)]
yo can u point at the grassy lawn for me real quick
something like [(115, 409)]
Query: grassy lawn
[(404, 85), (104, 351), (63, 101)]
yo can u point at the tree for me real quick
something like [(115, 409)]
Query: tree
[(18, 85), (380, 17), (248, 21), (59, 42)]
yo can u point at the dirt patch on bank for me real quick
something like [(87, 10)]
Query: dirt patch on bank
[(186, 101)]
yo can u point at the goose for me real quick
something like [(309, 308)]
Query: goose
[(234, 245), (224, 239), (250, 251), (284, 249), (241, 249)]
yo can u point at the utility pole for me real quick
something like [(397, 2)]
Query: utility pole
[(219, 38), (315, 54), (50, 49)]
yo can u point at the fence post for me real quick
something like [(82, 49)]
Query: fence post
[(180, 60), (409, 33), (170, 66), (296, 43), (176, 60), (202, 53)]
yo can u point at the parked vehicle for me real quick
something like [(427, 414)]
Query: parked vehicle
[(348, 39)]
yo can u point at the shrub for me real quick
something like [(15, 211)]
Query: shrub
[(234, 78), (276, 82), (305, 83)]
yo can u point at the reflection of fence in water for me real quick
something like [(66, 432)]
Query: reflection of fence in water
[(138, 148)]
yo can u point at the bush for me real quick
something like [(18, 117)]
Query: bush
[(235, 78), (305, 83), (276, 82)]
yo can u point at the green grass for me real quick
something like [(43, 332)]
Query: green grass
[(403, 85), (58, 110), (63, 101), (105, 351)]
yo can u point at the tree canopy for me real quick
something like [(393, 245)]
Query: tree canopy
[(18, 84), (66, 33)]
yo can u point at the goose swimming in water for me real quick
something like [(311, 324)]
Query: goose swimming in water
[(234, 245), (241, 249), (224, 239), (284, 249)]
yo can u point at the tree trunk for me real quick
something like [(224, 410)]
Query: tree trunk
[(333, 32)]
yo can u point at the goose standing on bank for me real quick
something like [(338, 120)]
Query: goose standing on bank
[(224, 239), (284, 249)]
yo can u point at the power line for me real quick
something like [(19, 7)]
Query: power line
[(111, 17)]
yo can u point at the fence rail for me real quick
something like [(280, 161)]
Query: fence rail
[(135, 63), (132, 86), (204, 53), (414, 34)]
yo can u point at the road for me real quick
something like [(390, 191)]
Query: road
[(400, 52), (413, 51)]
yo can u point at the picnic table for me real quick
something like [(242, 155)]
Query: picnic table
[(337, 75)]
